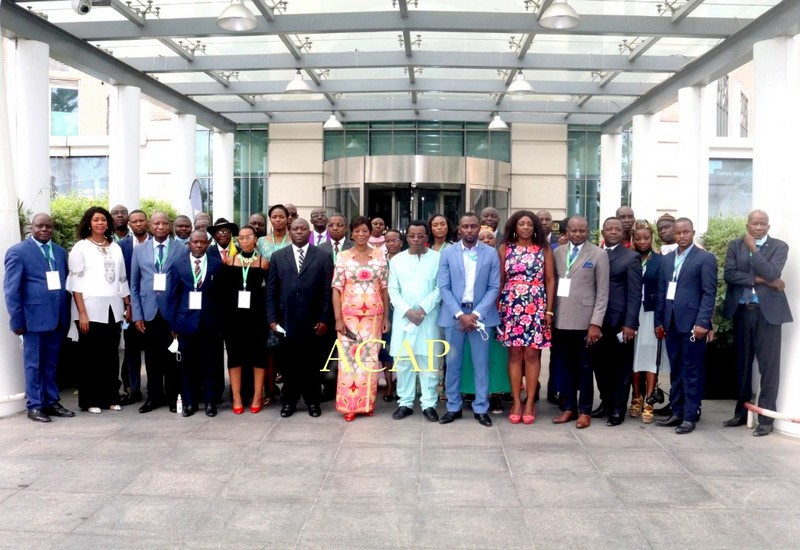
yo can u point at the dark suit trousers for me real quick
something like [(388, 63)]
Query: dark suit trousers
[(98, 385), (199, 368), (687, 364), (574, 366), (40, 356), (300, 367), (162, 370), (131, 371), (613, 365), (756, 338)]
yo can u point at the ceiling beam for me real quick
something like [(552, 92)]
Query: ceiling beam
[(18, 22), (684, 11), (367, 116), (421, 21), (781, 20)]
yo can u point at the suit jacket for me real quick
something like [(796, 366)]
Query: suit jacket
[(650, 278), (624, 288), (30, 305), (451, 284), (145, 301), (298, 301), (127, 246), (588, 295), (327, 246), (180, 282), (695, 292), (741, 269)]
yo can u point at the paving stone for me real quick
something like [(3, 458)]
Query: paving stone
[(348, 525), (265, 523), (663, 491), (637, 462), (49, 511), (721, 463), (567, 491), (696, 528), (570, 528), (749, 492), (556, 461), (255, 483), (106, 476), (468, 489), (396, 487), (478, 526), (465, 432), (165, 480), (475, 460), (368, 458)]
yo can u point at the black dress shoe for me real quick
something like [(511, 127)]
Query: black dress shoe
[(735, 421), (57, 409), (430, 415), (38, 415), (670, 422), (685, 427), (449, 417), (188, 410), (615, 420), (762, 430), (314, 411), (211, 410), (287, 411), (600, 412), (402, 412), (483, 419), (173, 408), (666, 410), (130, 398), (148, 406)]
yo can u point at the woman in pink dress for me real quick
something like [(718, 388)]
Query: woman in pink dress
[(360, 301)]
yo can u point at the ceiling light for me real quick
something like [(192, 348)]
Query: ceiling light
[(332, 123), (237, 17), (498, 123), (298, 85), (520, 86), (560, 15)]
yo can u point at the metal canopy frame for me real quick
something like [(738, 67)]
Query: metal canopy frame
[(409, 63)]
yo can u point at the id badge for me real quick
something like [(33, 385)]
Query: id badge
[(159, 282), (195, 300), (563, 288), (53, 281), (671, 290), (244, 299)]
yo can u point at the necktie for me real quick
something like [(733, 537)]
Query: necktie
[(160, 261), (336, 247), (301, 259), (573, 254), (197, 273), (48, 254), (319, 239), (224, 254)]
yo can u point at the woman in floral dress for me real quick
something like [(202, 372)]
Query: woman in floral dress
[(527, 280), (360, 304)]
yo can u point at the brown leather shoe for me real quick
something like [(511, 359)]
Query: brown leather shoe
[(584, 421), (564, 417)]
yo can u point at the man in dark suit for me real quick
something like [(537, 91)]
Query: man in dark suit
[(337, 231), (469, 283), (150, 311), (757, 302), (613, 358), (38, 307), (192, 297), (319, 219), (684, 312), (299, 302), (546, 219)]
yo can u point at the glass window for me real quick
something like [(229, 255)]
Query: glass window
[(722, 107), (583, 174), (481, 198), (84, 176), (64, 119), (388, 142), (344, 200), (627, 167), (203, 152), (250, 170), (730, 187), (334, 144), (355, 143)]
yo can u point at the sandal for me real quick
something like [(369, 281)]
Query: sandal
[(647, 414), (636, 407)]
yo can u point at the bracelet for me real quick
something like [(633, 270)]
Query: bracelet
[(550, 313)]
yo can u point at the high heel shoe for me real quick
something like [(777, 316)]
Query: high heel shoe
[(238, 410), (349, 417), (529, 418), (370, 413), (255, 409), (514, 418)]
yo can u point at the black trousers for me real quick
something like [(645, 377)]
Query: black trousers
[(131, 371), (199, 368), (574, 365), (162, 369), (612, 361), (687, 361), (98, 385), (756, 338), (300, 368)]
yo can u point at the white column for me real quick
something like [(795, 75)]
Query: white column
[(12, 380), (644, 172), (776, 87), (689, 155), (610, 174), (223, 175), (32, 161), (184, 171), (124, 146)]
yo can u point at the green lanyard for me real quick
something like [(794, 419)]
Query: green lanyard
[(571, 262), (47, 250), (160, 260), (644, 263), (246, 269), (677, 265)]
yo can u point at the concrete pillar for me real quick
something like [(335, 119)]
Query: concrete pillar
[(695, 114), (776, 87), (12, 380), (32, 110), (222, 143), (124, 146), (644, 173), (610, 174), (184, 170)]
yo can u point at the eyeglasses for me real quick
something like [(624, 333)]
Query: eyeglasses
[(292, 214), (223, 231), (246, 237)]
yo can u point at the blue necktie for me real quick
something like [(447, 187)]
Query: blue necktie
[(160, 261), (573, 254)]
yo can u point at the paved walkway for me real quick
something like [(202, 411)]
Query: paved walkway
[(127, 480)]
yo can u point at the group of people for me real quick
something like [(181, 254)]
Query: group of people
[(469, 316)]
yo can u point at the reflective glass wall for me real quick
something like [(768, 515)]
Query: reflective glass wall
[(583, 173), (250, 171)]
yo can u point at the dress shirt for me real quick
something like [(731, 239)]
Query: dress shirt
[(319, 238), (136, 241), (155, 253), (679, 265), (47, 251), (470, 258), (612, 247), (667, 248), (296, 251), (203, 266)]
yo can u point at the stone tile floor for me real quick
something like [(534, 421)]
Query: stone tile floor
[(127, 480)]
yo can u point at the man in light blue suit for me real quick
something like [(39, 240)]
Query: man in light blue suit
[(469, 283), (150, 312), (38, 305)]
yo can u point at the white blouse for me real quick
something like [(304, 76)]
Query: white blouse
[(98, 273)]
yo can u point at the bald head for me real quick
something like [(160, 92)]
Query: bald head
[(42, 227), (299, 232)]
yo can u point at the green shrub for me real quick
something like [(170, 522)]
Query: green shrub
[(722, 230), (150, 205), (24, 214), (66, 211)]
